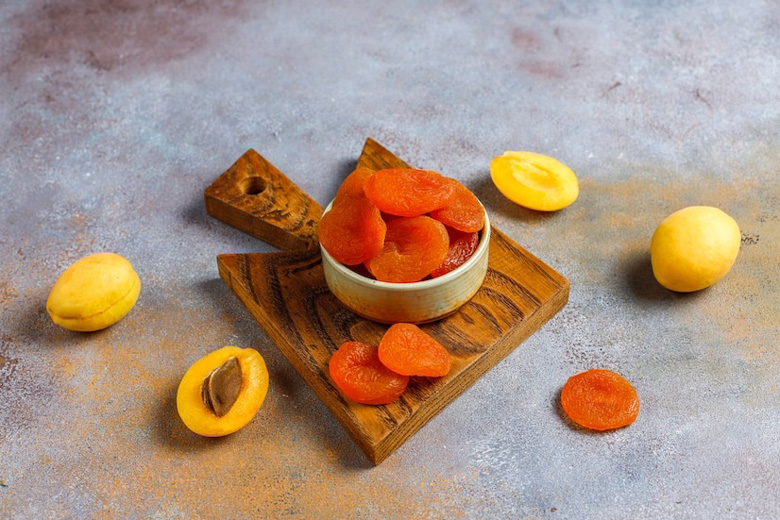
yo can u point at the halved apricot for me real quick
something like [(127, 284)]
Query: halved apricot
[(222, 392), (534, 180)]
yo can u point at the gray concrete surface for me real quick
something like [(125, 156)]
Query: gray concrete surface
[(116, 114)]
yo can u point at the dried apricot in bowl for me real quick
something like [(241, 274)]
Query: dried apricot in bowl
[(600, 400), (462, 246), (464, 213), (694, 247), (356, 369), (94, 293), (222, 392), (413, 248), (408, 193), (534, 180), (353, 230)]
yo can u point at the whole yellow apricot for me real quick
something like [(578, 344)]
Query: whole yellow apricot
[(222, 391), (94, 293), (534, 180), (693, 248)]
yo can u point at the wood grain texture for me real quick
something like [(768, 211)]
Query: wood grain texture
[(255, 197), (287, 294)]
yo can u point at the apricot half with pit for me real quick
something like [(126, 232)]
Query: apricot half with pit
[(222, 392), (94, 293)]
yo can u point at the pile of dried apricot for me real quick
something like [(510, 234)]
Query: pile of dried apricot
[(401, 224), (379, 375)]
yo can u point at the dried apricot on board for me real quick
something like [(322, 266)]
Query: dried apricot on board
[(462, 246), (409, 193), (413, 248), (353, 230), (600, 400), (534, 180), (464, 213), (356, 369), (354, 182), (407, 350)]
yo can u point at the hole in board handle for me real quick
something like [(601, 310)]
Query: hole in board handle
[(252, 185)]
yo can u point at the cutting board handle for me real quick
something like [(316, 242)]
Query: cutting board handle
[(256, 198)]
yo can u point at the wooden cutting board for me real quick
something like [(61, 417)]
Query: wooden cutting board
[(287, 295)]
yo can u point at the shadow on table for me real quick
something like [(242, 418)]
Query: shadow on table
[(640, 281), (170, 431), (496, 203)]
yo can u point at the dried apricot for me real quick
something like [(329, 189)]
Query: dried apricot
[(534, 180), (353, 230), (353, 184), (600, 400), (464, 213), (409, 193), (407, 350), (356, 369), (462, 246), (413, 248)]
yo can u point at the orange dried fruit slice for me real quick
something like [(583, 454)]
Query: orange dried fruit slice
[(464, 213), (353, 230), (408, 192), (407, 350), (354, 182), (357, 371), (462, 246), (600, 400), (413, 248)]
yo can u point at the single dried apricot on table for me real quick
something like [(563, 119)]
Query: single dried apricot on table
[(353, 230), (534, 180), (413, 248), (356, 369), (222, 392), (407, 350), (462, 246), (694, 247), (464, 213), (409, 193), (600, 400)]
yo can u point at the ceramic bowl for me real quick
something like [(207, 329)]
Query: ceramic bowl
[(414, 302)]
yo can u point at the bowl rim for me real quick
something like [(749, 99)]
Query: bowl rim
[(484, 244)]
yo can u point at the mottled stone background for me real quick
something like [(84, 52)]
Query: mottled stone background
[(116, 114)]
